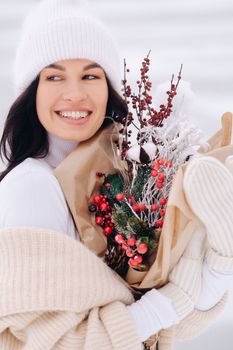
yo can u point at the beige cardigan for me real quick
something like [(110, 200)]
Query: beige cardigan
[(57, 294)]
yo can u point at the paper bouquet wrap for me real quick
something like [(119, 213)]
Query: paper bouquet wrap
[(77, 178)]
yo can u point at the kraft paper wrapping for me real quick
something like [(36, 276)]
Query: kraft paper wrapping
[(77, 178)]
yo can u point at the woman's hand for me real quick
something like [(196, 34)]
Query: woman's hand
[(163, 308)]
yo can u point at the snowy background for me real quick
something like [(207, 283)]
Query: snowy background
[(198, 34)]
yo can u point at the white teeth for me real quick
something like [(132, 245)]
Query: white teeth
[(74, 115)]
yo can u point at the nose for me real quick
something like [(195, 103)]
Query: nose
[(74, 91)]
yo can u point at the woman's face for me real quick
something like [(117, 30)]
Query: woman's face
[(71, 98)]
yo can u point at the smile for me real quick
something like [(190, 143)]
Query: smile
[(75, 115)]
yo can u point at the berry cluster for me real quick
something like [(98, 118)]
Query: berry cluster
[(141, 102), (133, 248), (132, 213), (103, 210), (158, 172)]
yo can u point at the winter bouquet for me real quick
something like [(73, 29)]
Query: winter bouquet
[(131, 205)]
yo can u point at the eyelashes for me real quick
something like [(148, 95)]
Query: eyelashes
[(85, 77), (91, 75), (51, 78)]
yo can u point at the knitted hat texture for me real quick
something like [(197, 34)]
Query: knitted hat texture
[(63, 29)]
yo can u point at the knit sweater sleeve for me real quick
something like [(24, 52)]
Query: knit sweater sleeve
[(102, 328), (56, 294), (198, 321), (192, 326)]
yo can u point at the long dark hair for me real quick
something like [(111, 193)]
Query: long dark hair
[(24, 136)]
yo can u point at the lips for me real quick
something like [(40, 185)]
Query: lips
[(74, 114), (74, 117)]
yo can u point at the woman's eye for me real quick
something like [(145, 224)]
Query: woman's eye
[(90, 77), (53, 78)]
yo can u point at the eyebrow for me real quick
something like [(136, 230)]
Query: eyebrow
[(89, 66)]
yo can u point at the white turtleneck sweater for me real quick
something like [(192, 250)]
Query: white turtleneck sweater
[(30, 195)]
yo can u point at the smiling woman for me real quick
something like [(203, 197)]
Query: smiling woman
[(56, 293), (72, 98)]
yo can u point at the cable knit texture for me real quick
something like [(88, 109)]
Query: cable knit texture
[(208, 186), (185, 279), (200, 321), (43, 304), (57, 30)]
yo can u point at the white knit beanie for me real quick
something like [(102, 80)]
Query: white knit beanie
[(63, 29)]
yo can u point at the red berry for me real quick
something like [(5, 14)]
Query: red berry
[(96, 199), (154, 207), (136, 207), (107, 230), (120, 196), (168, 164), (162, 201), (131, 241), (138, 258), (161, 161), (162, 212), (142, 207), (156, 166), (131, 199), (132, 262), (142, 248), (107, 185), (159, 223), (129, 252), (119, 238), (159, 184), (154, 173), (104, 206), (99, 220), (162, 177), (124, 246)]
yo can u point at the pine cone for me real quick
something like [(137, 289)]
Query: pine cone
[(116, 258)]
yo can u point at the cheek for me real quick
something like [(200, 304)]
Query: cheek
[(44, 102), (102, 98)]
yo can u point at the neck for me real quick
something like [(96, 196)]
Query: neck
[(59, 149)]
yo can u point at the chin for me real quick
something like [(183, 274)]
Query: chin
[(76, 138), (76, 135)]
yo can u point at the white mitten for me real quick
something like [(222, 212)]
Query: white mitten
[(152, 313), (208, 186), (165, 307), (185, 280), (214, 286), (229, 164)]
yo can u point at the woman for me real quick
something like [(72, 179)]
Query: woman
[(58, 294)]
